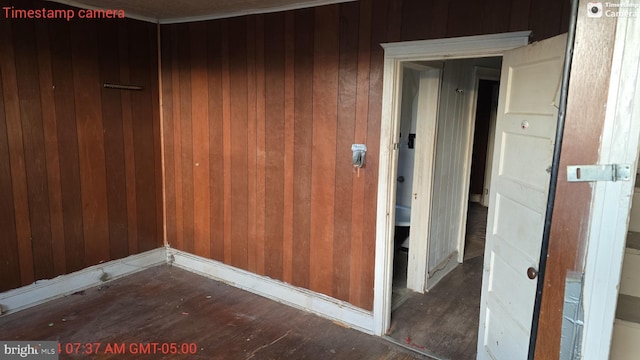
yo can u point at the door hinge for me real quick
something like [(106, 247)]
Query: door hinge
[(396, 146), (611, 172)]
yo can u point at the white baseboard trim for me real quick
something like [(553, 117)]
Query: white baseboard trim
[(299, 298), (303, 299), (45, 290)]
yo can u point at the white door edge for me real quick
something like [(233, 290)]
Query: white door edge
[(611, 201), (395, 53)]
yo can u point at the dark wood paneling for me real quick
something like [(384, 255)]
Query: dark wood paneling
[(9, 259), (323, 147), (66, 145), (347, 86), (51, 148), (16, 152), (200, 110), (289, 141), (303, 125), (143, 55), (424, 19), (274, 143), (216, 153), (288, 93), (127, 129), (113, 143), (238, 132), (34, 151)]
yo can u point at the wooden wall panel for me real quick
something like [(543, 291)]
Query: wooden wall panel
[(303, 127), (64, 148), (288, 93), (9, 257), (216, 153), (323, 147), (274, 143), (34, 151), (51, 149)]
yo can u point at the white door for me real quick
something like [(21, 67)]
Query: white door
[(525, 130), (426, 127)]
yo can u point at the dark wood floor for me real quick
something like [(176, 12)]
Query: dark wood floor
[(444, 321), (167, 305)]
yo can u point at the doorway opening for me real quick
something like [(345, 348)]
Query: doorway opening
[(439, 315)]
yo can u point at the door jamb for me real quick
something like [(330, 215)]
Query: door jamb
[(395, 54), (611, 201)]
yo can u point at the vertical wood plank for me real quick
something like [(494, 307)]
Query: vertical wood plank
[(51, 148), (238, 135), (289, 159), (424, 19), (34, 152), (128, 141), (186, 140), (274, 143), (113, 142), (378, 35), (303, 124), (496, 15), (325, 90), (541, 24), (252, 204), (226, 140), (177, 136), (16, 153), (87, 86), (519, 17), (360, 136), (9, 257), (260, 145), (144, 128), (154, 96), (61, 66), (394, 20), (168, 124), (347, 88), (465, 19), (216, 156), (200, 118)]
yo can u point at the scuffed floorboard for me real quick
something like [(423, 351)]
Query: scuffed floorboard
[(165, 305)]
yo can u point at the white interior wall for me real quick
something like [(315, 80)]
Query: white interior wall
[(454, 138)]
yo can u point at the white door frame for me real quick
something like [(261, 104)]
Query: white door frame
[(395, 55), (611, 201)]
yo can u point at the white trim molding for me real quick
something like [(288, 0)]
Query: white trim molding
[(456, 48), (133, 15), (45, 290), (611, 201), (395, 54), (300, 298), (303, 299)]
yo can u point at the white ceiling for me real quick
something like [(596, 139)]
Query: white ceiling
[(175, 11)]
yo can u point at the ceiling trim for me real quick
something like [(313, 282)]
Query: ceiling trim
[(135, 16), (128, 14), (253, 11)]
